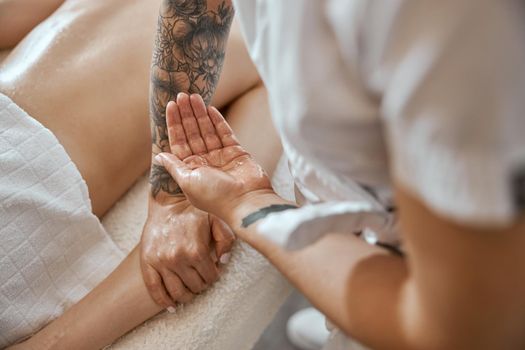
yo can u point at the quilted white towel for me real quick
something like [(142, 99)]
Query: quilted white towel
[(53, 250)]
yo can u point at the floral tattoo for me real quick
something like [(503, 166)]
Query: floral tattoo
[(188, 56)]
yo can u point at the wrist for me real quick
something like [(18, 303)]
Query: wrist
[(163, 188), (250, 203)]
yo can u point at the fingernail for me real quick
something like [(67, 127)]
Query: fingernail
[(180, 95), (170, 309), (158, 158), (225, 258)]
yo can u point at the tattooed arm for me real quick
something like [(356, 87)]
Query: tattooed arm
[(188, 55)]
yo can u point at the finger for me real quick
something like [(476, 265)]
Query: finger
[(207, 130), (191, 279), (178, 143), (176, 288), (223, 129), (156, 287), (224, 238), (186, 298), (208, 270), (189, 122)]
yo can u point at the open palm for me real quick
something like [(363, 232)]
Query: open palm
[(207, 161)]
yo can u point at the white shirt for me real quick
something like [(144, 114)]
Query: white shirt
[(435, 89), (429, 94)]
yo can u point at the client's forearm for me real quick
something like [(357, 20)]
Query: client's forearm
[(188, 56), (115, 306)]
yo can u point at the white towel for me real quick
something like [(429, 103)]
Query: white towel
[(53, 250)]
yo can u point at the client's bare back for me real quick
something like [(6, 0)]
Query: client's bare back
[(83, 73)]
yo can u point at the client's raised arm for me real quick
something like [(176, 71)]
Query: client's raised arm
[(176, 248), (188, 56)]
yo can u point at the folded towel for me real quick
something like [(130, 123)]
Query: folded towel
[(53, 250)]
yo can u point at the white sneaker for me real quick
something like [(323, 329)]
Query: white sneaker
[(306, 329)]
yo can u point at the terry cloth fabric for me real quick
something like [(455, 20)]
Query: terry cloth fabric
[(53, 250)]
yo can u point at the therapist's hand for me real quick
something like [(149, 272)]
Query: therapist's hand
[(218, 174), (180, 249)]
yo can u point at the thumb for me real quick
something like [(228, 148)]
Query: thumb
[(174, 166), (224, 238)]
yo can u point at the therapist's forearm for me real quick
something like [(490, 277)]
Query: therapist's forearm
[(356, 285)]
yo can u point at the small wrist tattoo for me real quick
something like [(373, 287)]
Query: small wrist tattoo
[(264, 212)]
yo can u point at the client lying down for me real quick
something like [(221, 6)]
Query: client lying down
[(74, 113)]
